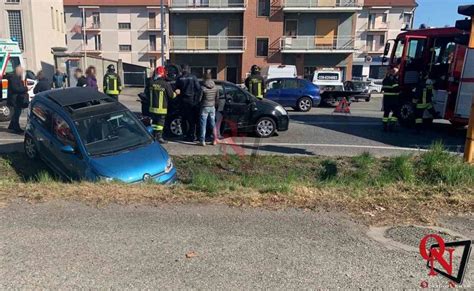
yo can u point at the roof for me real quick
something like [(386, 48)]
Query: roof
[(399, 3), (114, 2), (76, 95), (467, 10)]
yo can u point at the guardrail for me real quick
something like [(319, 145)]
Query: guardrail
[(316, 43), (208, 4), (208, 43), (321, 3)]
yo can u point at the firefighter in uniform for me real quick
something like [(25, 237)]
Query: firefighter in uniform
[(423, 101), (255, 82), (159, 93), (391, 100), (112, 82)]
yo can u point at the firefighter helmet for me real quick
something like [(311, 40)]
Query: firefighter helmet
[(111, 68), (160, 72), (254, 69)]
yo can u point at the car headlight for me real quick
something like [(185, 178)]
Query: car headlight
[(169, 165), (281, 110)]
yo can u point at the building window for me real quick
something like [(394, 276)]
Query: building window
[(125, 47), (263, 8), (407, 18), (124, 25), (262, 47), (57, 20), (370, 42), (382, 40), (16, 27), (12, 1), (291, 27), (384, 18), (95, 20), (53, 23)]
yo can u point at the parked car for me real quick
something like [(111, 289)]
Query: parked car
[(299, 94), (361, 87), (279, 71), (82, 134), (242, 112)]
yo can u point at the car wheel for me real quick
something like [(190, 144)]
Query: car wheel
[(407, 114), (177, 126), (30, 148), (265, 127), (5, 113), (367, 99), (304, 104)]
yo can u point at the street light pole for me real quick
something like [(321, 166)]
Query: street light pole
[(84, 36), (162, 17)]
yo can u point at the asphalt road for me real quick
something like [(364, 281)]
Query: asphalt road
[(59, 245), (318, 132)]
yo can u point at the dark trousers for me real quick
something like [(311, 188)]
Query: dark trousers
[(390, 105), (15, 121), (191, 116), (158, 122)]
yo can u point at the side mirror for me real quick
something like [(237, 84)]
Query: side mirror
[(68, 149), (387, 49), (149, 129)]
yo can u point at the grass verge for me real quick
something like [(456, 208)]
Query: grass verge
[(399, 189)]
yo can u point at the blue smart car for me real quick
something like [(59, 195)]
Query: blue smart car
[(83, 134), (299, 94)]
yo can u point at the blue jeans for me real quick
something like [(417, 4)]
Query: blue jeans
[(208, 115)]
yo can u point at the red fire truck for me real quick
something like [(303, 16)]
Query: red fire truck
[(442, 54)]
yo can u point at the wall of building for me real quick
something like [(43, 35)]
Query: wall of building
[(42, 29)]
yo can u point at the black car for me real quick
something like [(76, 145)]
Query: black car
[(243, 112), (358, 86)]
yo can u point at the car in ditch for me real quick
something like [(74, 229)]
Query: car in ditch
[(82, 134)]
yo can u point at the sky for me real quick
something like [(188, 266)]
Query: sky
[(438, 12)]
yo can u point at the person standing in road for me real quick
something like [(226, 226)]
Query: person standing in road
[(112, 82), (254, 82), (43, 83), (59, 79), (17, 98), (189, 93), (423, 100), (391, 100), (159, 93), (91, 80), (209, 99), (81, 80)]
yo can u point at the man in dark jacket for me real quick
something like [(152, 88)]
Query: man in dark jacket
[(112, 83), (189, 93), (209, 99), (17, 98), (43, 83), (81, 80)]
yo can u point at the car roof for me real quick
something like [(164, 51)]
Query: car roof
[(76, 95)]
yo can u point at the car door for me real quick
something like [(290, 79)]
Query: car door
[(237, 109), (71, 165), (273, 90), (39, 128), (290, 92)]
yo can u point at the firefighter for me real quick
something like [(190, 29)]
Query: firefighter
[(159, 93), (391, 94), (112, 82), (254, 82), (423, 101)]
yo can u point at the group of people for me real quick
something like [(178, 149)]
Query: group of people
[(112, 84), (422, 100)]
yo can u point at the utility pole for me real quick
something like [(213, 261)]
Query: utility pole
[(162, 24), (84, 36)]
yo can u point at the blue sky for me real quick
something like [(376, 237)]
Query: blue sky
[(438, 12)]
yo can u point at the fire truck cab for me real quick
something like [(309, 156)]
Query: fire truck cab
[(440, 54)]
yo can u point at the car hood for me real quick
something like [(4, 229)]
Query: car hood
[(267, 103), (130, 166)]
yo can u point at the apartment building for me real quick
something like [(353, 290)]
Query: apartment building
[(129, 30), (38, 26), (378, 22)]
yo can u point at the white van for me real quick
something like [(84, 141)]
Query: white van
[(10, 58), (279, 71)]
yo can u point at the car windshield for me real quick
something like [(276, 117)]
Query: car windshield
[(359, 85), (111, 133)]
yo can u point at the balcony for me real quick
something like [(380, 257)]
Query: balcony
[(317, 44), (207, 44), (372, 49), (208, 6), (326, 6), (153, 49), (383, 26), (92, 27)]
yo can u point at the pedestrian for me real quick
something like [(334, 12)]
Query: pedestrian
[(189, 95), (59, 79), (43, 83), (254, 82), (391, 99), (209, 99), (81, 80), (220, 114), (17, 98), (112, 82), (423, 101), (91, 80), (160, 94)]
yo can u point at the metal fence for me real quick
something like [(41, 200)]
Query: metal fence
[(203, 43), (134, 79), (309, 43)]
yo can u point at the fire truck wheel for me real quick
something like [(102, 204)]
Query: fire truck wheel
[(407, 114), (5, 113)]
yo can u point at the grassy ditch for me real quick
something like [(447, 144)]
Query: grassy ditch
[(399, 189)]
